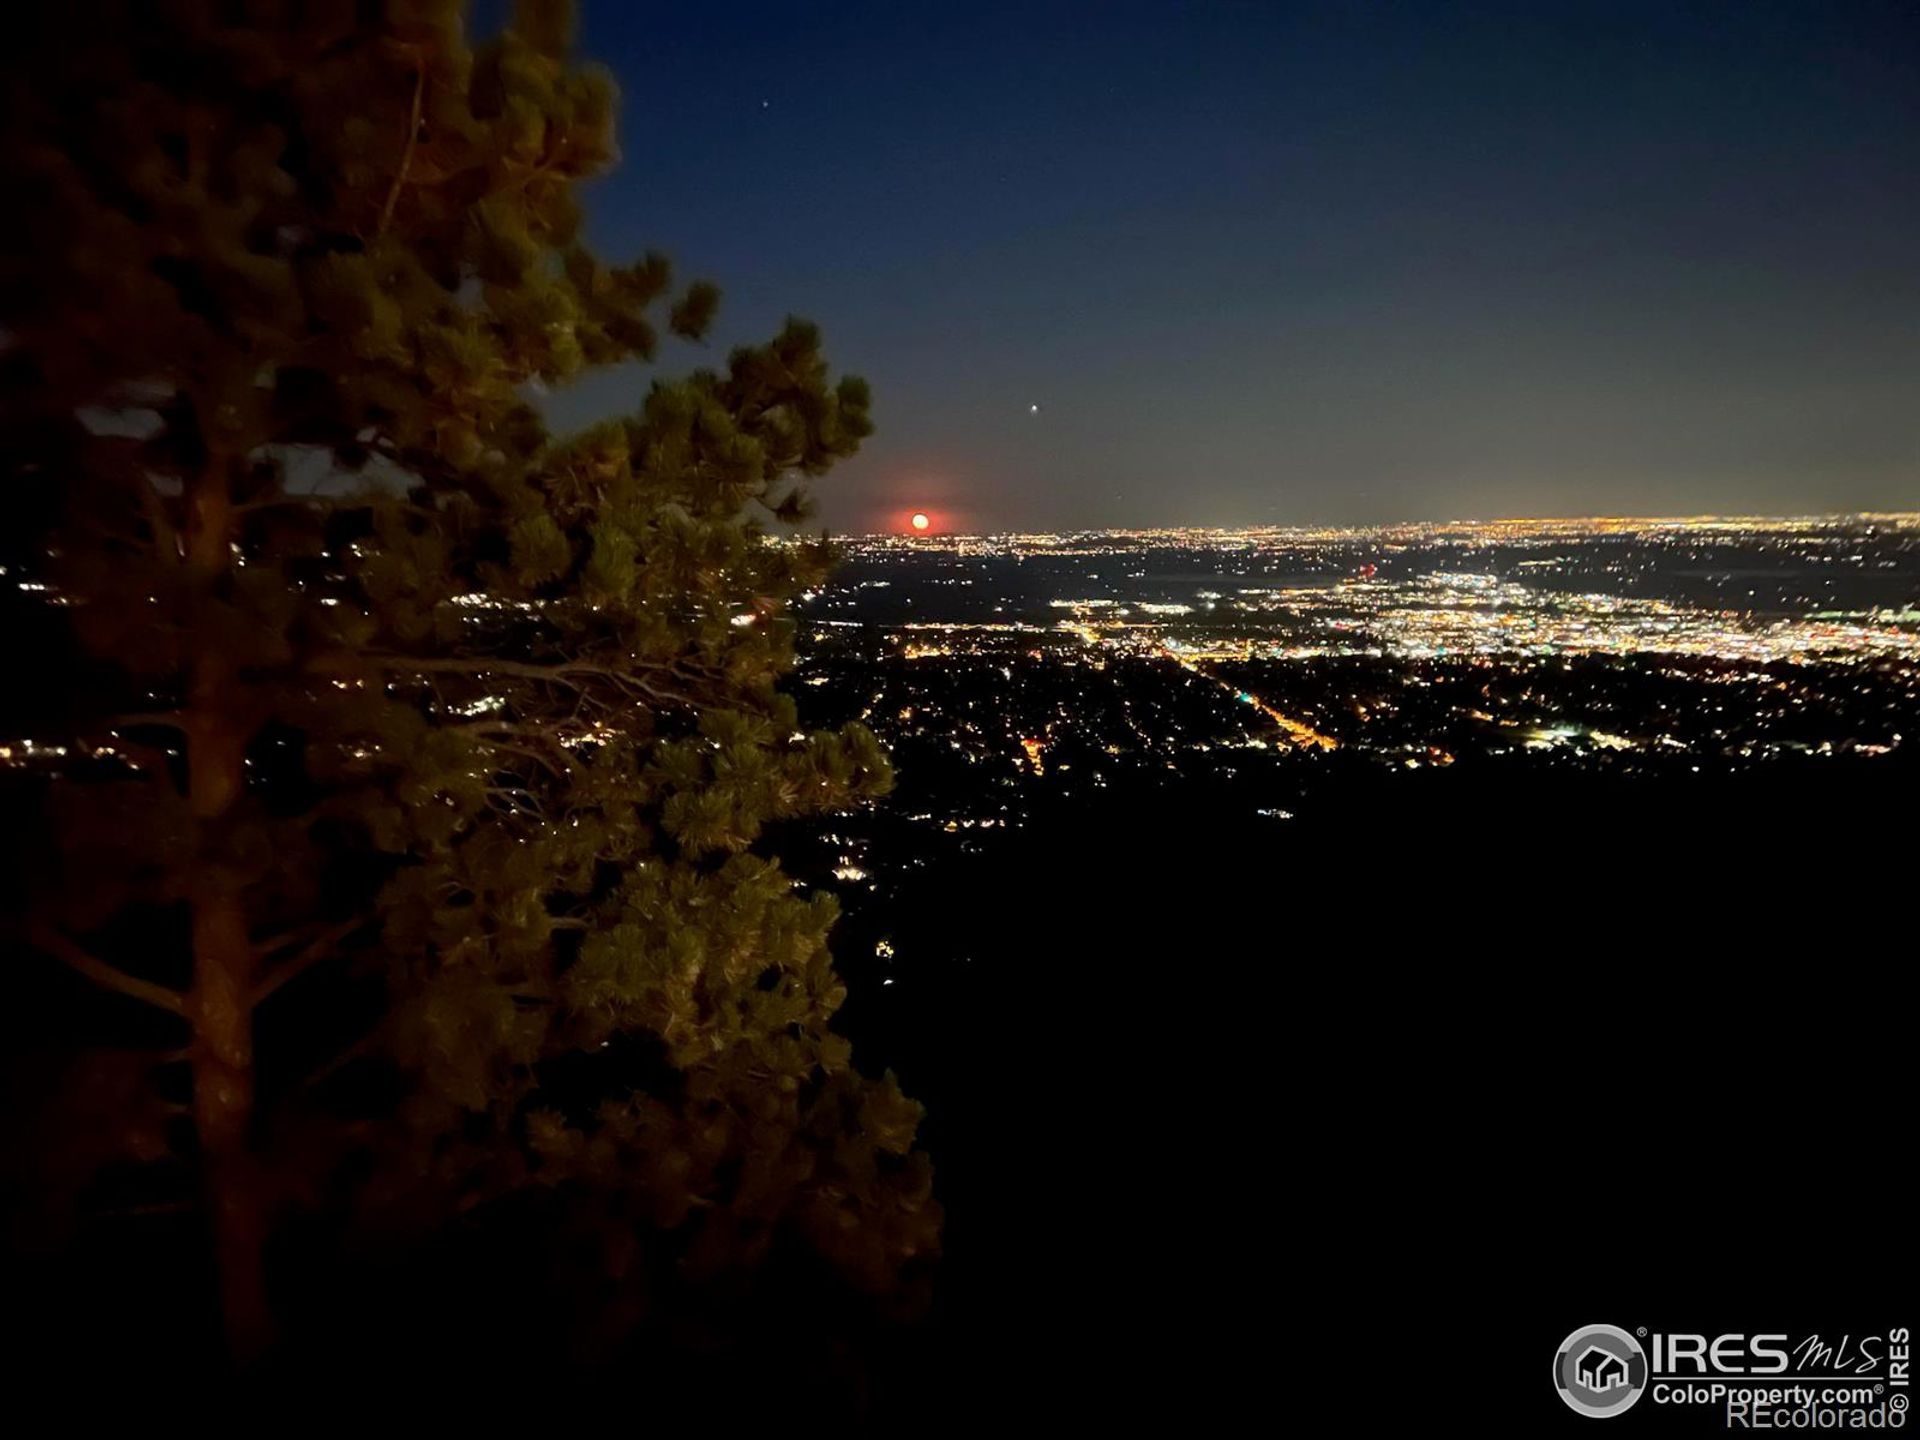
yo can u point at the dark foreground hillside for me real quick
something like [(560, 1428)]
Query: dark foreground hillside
[(1488, 1046)]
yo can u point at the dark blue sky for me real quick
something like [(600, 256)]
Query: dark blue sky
[(1293, 263)]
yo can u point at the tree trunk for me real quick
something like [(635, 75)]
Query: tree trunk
[(222, 1059), (219, 1000)]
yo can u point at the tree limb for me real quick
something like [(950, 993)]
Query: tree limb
[(360, 1048), (312, 953), (45, 937), (527, 752), (406, 158), (569, 673)]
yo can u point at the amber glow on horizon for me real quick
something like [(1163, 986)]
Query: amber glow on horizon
[(919, 520)]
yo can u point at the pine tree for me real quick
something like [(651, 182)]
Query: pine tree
[(368, 672)]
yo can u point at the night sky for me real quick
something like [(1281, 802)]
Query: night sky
[(1301, 263)]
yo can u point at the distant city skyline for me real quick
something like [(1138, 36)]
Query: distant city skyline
[(1308, 263), (934, 533), (1411, 646)]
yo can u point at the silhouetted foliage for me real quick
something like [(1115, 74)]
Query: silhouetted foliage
[(403, 761)]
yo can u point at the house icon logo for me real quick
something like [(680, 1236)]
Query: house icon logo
[(1600, 1370)]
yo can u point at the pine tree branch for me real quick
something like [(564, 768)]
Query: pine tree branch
[(319, 948), (45, 937), (406, 158), (360, 1048), (528, 753), (572, 674)]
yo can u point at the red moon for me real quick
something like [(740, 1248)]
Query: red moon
[(920, 520)]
